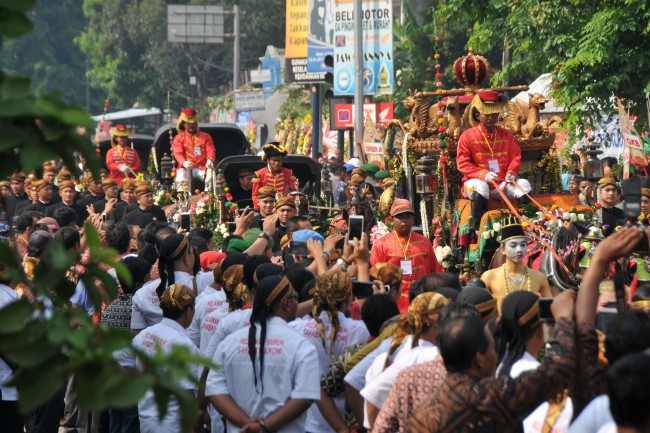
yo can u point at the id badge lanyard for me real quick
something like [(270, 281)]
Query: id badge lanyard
[(406, 264)]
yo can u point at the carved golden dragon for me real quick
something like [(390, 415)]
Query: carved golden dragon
[(524, 121)]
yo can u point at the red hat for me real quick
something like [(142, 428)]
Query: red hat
[(211, 257), (188, 115), (400, 206), (120, 131), (486, 102)]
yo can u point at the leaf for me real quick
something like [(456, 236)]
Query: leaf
[(15, 87), (14, 315), (77, 116), (14, 23), (12, 137), (38, 385), (99, 387), (32, 349), (18, 6)]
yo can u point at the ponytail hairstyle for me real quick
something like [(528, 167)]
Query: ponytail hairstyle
[(519, 321), (423, 312), (270, 292), (173, 248), (333, 290)]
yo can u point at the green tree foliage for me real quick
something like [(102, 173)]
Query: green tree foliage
[(49, 55), (126, 42), (595, 49), (414, 50), (47, 340)]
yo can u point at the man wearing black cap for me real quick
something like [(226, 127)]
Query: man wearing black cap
[(279, 178)]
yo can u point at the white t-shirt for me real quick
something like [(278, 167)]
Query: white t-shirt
[(209, 326), (377, 365), (288, 373), (167, 333), (350, 332), (208, 301), (234, 321), (9, 393), (377, 390), (356, 377), (595, 418), (203, 281), (146, 304), (534, 422)]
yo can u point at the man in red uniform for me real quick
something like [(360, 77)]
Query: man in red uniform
[(193, 150), (411, 251), (487, 153), (274, 175), (122, 160)]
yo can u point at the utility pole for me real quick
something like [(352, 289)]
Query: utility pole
[(358, 75), (316, 119), (235, 65)]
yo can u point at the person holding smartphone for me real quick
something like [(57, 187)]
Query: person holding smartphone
[(411, 251)]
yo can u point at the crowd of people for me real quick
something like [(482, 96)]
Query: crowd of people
[(331, 333)]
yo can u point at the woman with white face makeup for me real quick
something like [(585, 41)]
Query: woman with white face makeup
[(514, 275)]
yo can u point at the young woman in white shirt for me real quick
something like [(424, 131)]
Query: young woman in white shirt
[(267, 381), (177, 304), (330, 332)]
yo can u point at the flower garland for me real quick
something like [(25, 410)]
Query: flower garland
[(295, 134)]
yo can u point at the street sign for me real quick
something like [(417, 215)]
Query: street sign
[(260, 75), (343, 114), (198, 24), (296, 72), (249, 101)]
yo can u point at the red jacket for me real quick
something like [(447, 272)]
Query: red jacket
[(281, 183), (194, 148), (117, 156), (392, 248), (476, 148)]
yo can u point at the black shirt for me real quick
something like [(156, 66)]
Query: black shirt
[(12, 202), (141, 218), (81, 214), (612, 217), (89, 199), (39, 206)]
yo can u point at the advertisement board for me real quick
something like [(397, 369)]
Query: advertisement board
[(377, 27)]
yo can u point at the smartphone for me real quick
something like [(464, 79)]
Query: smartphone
[(362, 289), (232, 227), (261, 223), (355, 227), (185, 221), (632, 194), (545, 313)]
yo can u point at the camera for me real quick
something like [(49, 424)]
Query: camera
[(632, 210)]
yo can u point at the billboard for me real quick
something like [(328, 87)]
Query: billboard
[(320, 37), (297, 25), (377, 28)]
